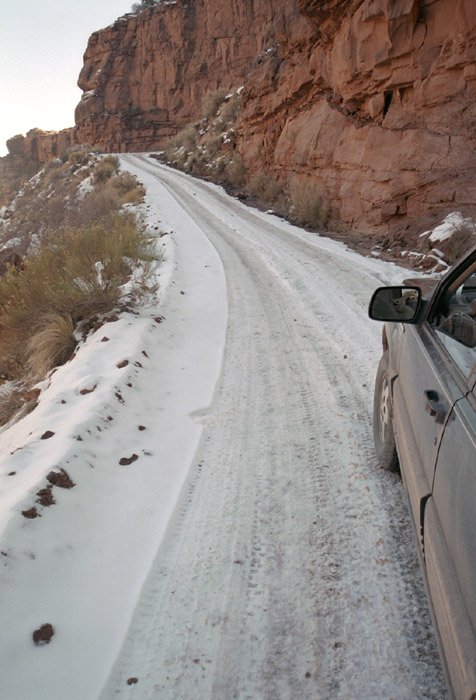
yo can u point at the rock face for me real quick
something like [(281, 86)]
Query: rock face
[(376, 99), (373, 99), (25, 155), (379, 105), (146, 75), (41, 146)]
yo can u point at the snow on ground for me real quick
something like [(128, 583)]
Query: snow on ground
[(227, 555), (450, 224), (80, 565)]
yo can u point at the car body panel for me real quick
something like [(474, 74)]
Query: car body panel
[(450, 529), (418, 433), (432, 371)]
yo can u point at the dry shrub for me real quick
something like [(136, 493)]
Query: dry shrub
[(53, 172), (97, 205), (309, 207), (76, 275), (52, 343), (128, 187), (184, 140), (134, 196), (77, 157), (230, 109), (213, 145), (212, 101), (264, 187), (105, 168), (235, 172)]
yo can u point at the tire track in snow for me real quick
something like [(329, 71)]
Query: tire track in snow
[(288, 570)]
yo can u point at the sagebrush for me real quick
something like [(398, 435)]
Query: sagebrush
[(78, 273), (308, 205)]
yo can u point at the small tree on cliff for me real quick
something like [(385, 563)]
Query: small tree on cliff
[(142, 5)]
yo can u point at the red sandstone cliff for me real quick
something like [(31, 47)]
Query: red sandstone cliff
[(375, 99)]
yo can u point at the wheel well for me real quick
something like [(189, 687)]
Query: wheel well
[(384, 340)]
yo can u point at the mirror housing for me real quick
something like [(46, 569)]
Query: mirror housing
[(395, 304)]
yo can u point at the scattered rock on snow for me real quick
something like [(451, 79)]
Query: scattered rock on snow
[(47, 435), (125, 461), (43, 635), (87, 391), (31, 513), (61, 479), (45, 496)]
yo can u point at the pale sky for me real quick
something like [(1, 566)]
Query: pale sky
[(42, 43)]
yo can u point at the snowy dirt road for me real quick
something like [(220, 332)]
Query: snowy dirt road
[(288, 570)]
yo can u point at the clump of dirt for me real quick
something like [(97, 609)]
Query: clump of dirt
[(43, 634), (125, 461), (61, 479), (45, 496), (31, 513)]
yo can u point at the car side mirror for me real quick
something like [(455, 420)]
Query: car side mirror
[(399, 304)]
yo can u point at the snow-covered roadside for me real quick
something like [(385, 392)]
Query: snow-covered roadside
[(128, 395)]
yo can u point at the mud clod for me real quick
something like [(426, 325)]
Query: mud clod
[(61, 479), (125, 461), (43, 635), (31, 513), (45, 496)]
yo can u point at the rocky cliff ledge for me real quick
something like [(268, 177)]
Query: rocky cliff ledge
[(373, 99)]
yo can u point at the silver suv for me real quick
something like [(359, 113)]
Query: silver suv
[(425, 424)]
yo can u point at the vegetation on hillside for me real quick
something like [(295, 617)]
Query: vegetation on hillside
[(208, 149), (85, 255)]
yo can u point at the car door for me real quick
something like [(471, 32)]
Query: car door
[(435, 369), (449, 532), (449, 518), (425, 390)]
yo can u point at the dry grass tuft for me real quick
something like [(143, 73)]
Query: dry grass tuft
[(309, 207), (264, 187), (212, 101), (52, 344), (78, 273), (105, 168), (235, 172)]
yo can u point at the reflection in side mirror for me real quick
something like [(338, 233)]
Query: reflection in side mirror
[(395, 304)]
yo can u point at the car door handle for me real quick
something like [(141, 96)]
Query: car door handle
[(434, 407)]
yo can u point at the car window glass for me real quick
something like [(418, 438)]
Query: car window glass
[(455, 325)]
